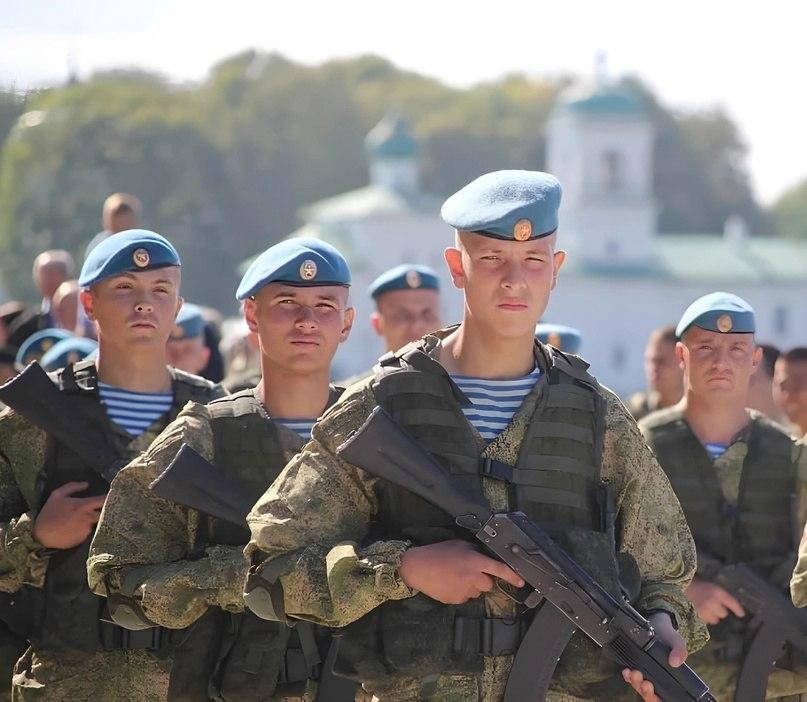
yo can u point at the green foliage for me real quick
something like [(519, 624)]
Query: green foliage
[(790, 211), (223, 167)]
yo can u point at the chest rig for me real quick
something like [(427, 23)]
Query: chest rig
[(555, 481), (74, 618)]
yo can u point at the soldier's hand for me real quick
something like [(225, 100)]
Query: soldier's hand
[(453, 572), (712, 602), (65, 521), (663, 626)]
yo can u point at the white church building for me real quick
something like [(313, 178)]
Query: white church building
[(621, 279)]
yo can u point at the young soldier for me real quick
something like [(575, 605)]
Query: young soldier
[(520, 422), (165, 563), (790, 388), (60, 449), (735, 473)]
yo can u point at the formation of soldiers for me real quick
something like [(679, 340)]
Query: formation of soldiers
[(273, 569)]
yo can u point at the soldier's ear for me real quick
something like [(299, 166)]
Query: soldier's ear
[(350, 316), (249, 315), (86, 300), (453, 257), (679, 354)]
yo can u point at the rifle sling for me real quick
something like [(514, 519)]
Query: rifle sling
[(766, 647), (537, 656)]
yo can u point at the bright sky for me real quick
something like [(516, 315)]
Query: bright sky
[(748, 58)]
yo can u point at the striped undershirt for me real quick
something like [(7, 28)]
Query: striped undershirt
[(494, 401), (301, 427), (715, 450), (134, 411)]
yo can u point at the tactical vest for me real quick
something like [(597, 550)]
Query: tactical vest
[(72, 618), (556, 481), (758, 530), (245, 657)]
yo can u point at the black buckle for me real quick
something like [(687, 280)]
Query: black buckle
[(487, 637), (497, 470)]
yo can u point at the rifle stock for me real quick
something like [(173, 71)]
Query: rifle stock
[(192, 481)]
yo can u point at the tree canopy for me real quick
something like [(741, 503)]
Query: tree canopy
[(223, 166)]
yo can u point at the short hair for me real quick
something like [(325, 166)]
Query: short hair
[(795, 355), (769, 355), (665, 333), (121, 203)]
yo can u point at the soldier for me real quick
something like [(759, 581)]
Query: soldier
[(60, 448), (790, 388), (735, 474), (760, 390), (186, 345), (664, 376), (169, 564), (407, 306), (508, 416)]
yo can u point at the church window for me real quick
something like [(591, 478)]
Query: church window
[(612, 171), (780, 320)]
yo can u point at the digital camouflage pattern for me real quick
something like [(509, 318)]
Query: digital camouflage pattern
[(318, 511), (720, 675), (44, 674), (145, 546)]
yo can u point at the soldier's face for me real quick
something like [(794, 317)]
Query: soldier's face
[(790, 389), (190, 355), (716, 363), (299, 328), (406, 315), (661, 367), (506, 283), (135, 309)]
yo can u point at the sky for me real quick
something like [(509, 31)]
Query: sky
[(749, 61)]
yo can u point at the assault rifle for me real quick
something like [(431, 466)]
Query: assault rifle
[(382, 448), (774, 623)]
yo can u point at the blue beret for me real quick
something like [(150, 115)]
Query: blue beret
[(408, 276), (718, 312), (511, 205), (133, 250), (189, 322), (560, 336), (67, 351), (299, 261), (37, 344)]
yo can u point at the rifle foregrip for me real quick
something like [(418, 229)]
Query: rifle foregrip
[(680, 684)]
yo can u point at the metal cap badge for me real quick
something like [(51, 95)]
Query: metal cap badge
[(724, 323), (413, 279), (141, 258), (308, 269), (522, 230)]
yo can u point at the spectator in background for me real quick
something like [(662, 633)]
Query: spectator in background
[(665, 377), (790, 388), (760, 390), (65, 305), (51, 269), (121, 211)]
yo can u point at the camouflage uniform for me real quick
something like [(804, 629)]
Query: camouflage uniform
[(146, 547), (641, 404), (334, 580), (721, 675), (43, 673)]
